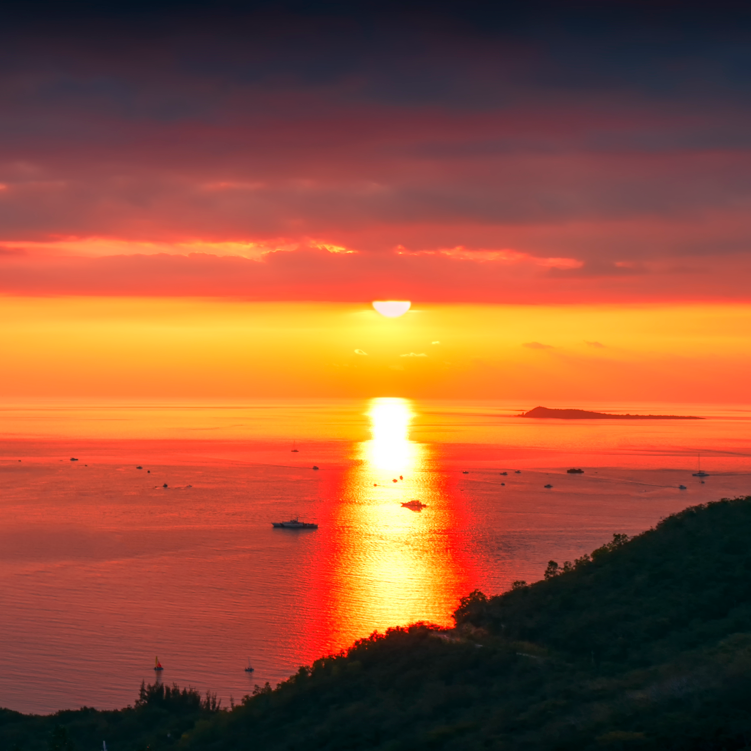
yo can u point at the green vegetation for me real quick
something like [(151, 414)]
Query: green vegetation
[(644, 644)]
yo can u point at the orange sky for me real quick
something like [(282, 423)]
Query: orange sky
[(186, 348)]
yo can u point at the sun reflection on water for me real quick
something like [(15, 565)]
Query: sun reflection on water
[(389, 565), (390, 449)]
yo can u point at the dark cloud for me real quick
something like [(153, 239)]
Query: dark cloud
[(615, 134)]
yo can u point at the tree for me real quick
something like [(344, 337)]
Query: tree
[(60, 740), (471, 607)]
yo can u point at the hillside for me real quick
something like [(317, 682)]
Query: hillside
[(646, 644)]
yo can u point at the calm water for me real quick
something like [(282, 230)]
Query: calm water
[(102, 568)]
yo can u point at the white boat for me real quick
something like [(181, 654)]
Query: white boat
[(294, 524)]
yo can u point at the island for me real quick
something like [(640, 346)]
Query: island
[(546, 413)]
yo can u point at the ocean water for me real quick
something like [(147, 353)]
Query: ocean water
[(102, 568)]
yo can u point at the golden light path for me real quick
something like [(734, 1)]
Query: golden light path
[(390, 565), (390, 449)]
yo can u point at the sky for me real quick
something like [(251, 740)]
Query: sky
[(491, 163)]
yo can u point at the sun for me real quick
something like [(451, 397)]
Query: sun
[(392, 308)]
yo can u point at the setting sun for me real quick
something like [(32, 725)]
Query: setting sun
[(392, 308)]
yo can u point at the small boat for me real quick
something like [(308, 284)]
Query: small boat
[(682, 487), (294, 524), (315, 467), (517, 471), (157, 664), (249, 669), (415, 505), (503, 473), (575, 471), (294, 447), (548, 486), (465, 471), (700, 473)]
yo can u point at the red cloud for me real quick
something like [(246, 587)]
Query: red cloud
[(322, 275)]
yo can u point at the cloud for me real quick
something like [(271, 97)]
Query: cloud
[(537, 345), (596, 345), (247, 131), (414, 354), (435, 342), (312, 274), (360, 352)]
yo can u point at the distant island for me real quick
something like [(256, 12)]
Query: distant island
[(546, 413)]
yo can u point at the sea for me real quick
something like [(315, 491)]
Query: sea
[(136, 532)]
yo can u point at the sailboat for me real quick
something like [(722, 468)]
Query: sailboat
[(157, 664), (249, 669), (294, 447), (700, 473)]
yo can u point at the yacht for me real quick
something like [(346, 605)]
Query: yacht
[(700, 473), (294, 524)]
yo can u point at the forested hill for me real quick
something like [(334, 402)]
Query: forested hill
[(644, 644)]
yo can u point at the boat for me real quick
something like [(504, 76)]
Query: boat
[(575, 471), (249, 669), (157, 664), (294, 447), (294, 524), (700, 473), (415, 505), (682, 487), (548, 486)]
